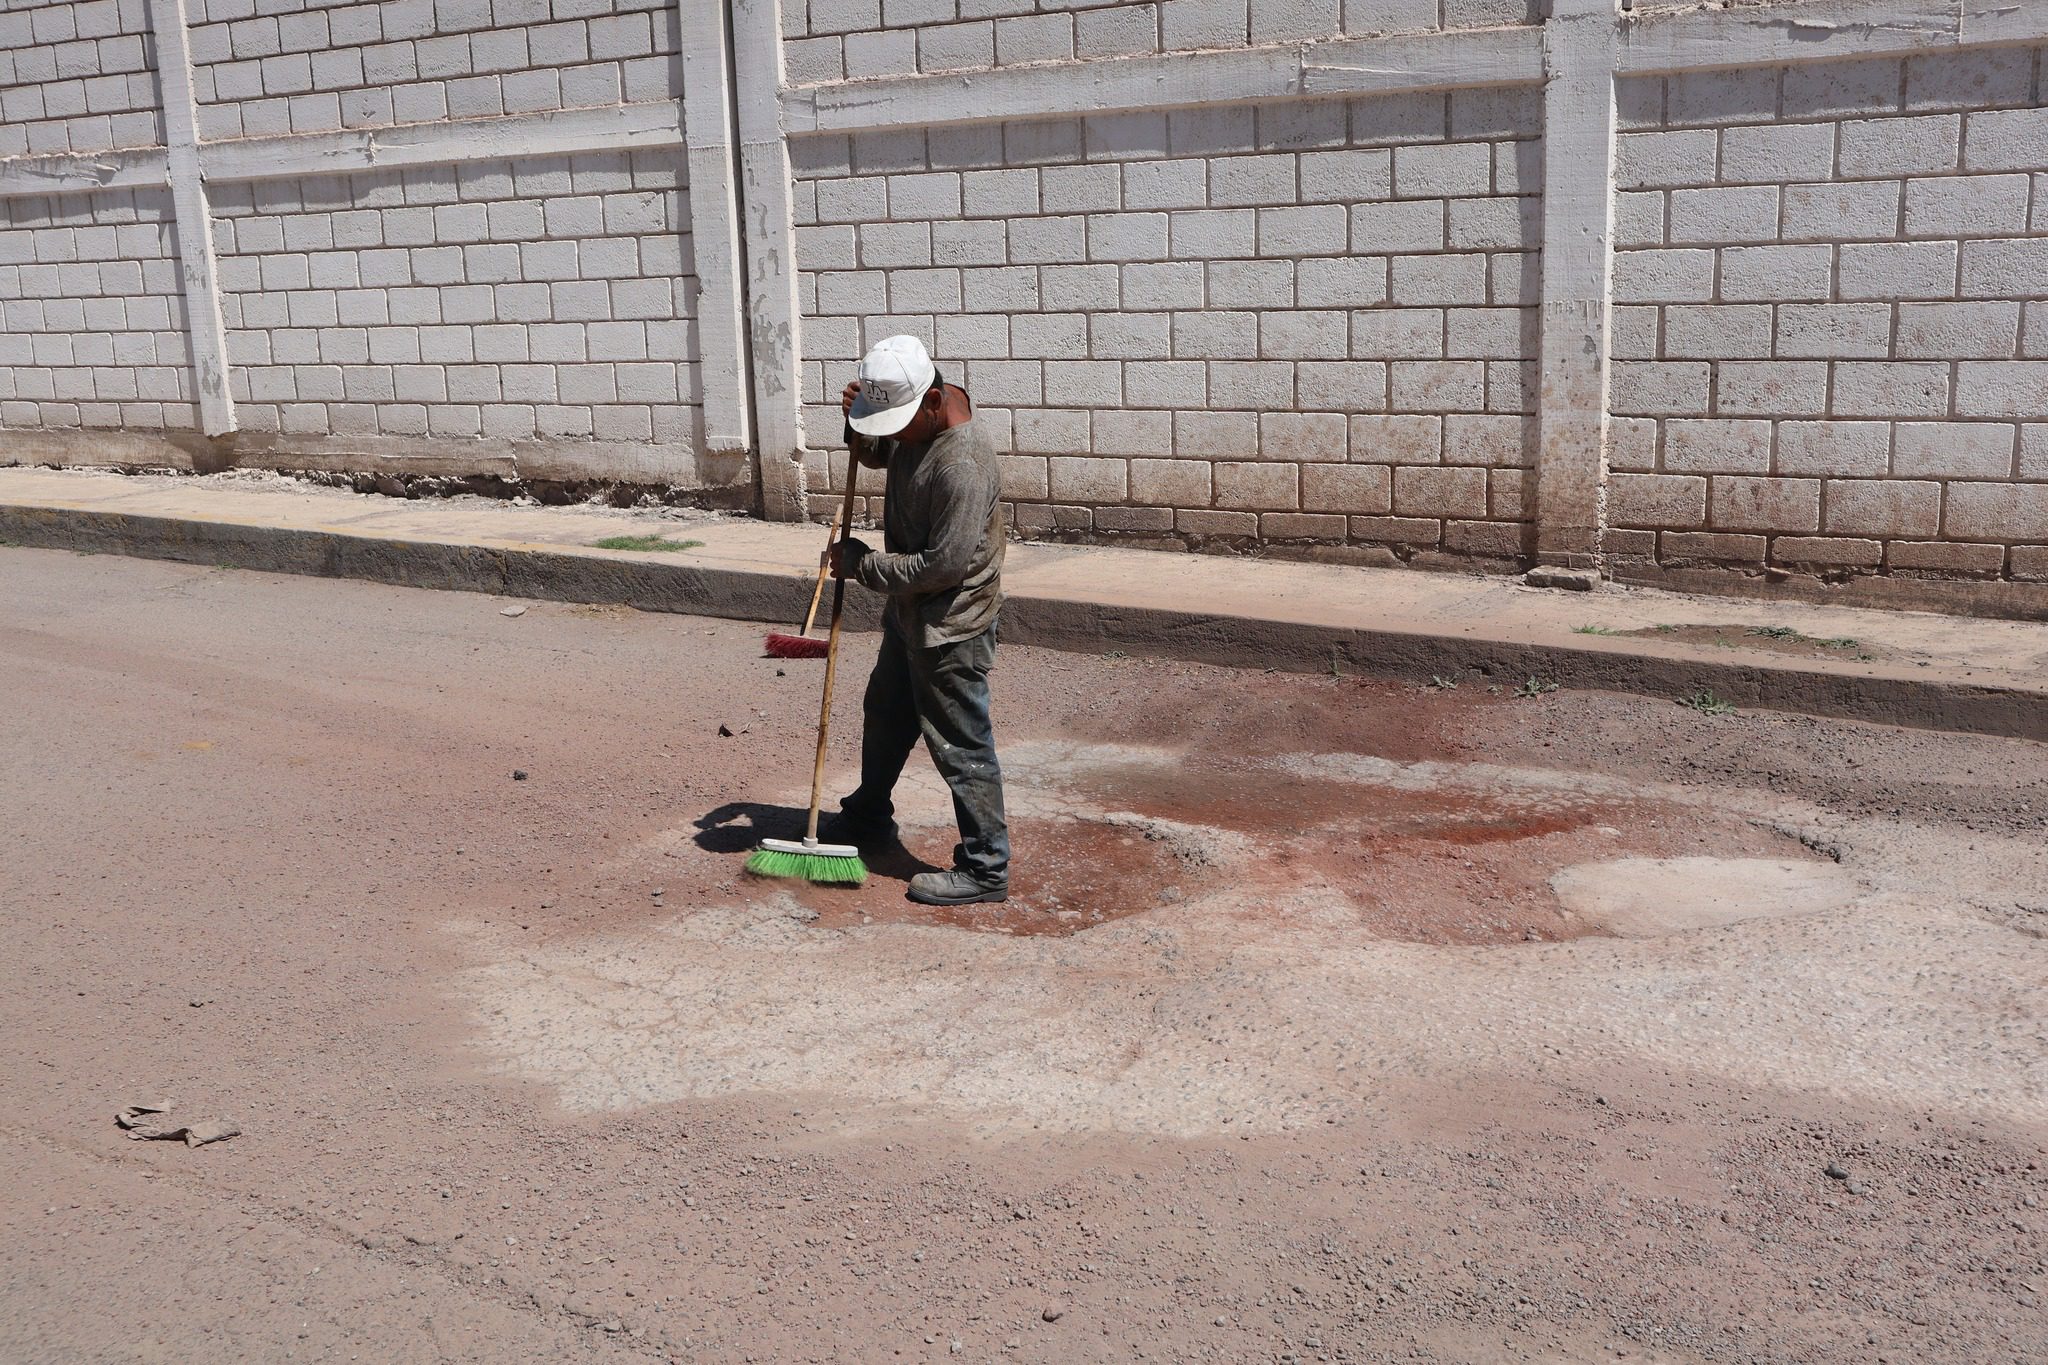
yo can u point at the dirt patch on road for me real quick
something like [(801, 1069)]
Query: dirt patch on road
[(1767, 639)]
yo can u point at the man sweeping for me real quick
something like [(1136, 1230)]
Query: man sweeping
[(941, 567)]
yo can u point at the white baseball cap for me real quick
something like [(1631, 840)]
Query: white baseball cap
[(893, 378)]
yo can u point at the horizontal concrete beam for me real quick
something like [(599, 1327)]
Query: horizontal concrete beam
[(84, 172), (619, 127), (1820, 31), (1358, 66)]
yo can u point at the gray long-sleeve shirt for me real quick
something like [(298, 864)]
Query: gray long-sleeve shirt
[(942, 524)]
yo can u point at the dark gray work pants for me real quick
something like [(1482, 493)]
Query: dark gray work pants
[(942, 694)]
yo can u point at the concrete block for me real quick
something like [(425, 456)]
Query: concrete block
[(1958, 331), (1398, 333), (1717, 446), (1746, 213), (1364, 489), (1280, 21), (1280, 526), (1127, 237), (2007, 140), (1303, 436), (1085, 384), (1772, 388), (1426, 281), (2034, 451), (1424, 386), (1864, 208), (929, 195), (1954, 450), (1309, 230), (1439, 491), (973, 337), (1163, 286), (1777, 274), (1047, 336), (972, 242), (1639, 219), (1718, 332), (1968, 206), (1213, 130), (991, 194), (1123, 137), (1827, 552), (1258, 385), (1878, 148), (1896, 389), (1130, 336), (1138, 433), (1082, 189), (1983, 561), (1494, 224), (1006, 383), (1022, 476), (2009, 388), (1214, 233), (1424, 531), (1676, 276), (1839, 89), (1216, 435), (1884, 508), (1251, 284), (1349, 385), (1446, 171), (1179, 183), (1216, 335), (1778, 153), (1633, 333), (1738, 95), (1088, 479), (2004, 512), (1347, 282), (1246, 181), (1970, 79), (1825, 330), (1407, 225), (1346, 176), (1257, 487), (1186, 25), (1049, 240), (1658, 500), (1165, 384), (1232, 525), (1000, 289), (1653, 388), (1034, 38), (1079, 288), (1898, 270), (1995, 269), (1835, 449), (1118, 31), (1172, 483), (1665, 160), (1740, 503)]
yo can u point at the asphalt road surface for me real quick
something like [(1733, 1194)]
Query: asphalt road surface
[(1329, 1021)]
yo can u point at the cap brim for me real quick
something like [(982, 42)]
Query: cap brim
[(873, 421)]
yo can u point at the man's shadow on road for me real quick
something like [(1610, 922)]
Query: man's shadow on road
[(740, 826)]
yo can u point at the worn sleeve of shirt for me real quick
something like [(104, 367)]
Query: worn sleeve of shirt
[(959, 503)]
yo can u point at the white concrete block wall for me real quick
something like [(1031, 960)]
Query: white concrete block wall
[(92, 321), (545, 298), (1300, 321), (77, 77), (835, 40), (1832, 317), (299, 66)]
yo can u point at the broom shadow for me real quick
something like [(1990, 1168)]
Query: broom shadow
[(740, 826)]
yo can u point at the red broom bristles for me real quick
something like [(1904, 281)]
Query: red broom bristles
[(782, 646)]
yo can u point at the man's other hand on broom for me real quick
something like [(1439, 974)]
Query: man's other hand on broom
[(846, 565)]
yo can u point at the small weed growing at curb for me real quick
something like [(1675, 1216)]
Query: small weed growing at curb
[(644, 543), (1707, 704), (1664, 630), (1535, 687), (1841, 642), (1596, 630), (1776, 632), (1443, 684), (1115, 654)]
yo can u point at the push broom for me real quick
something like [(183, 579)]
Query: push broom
[(807, 859), (802, 645)]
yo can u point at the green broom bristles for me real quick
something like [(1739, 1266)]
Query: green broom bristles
[(810, 867)]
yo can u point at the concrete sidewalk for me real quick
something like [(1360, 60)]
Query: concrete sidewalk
[(1906, 668)]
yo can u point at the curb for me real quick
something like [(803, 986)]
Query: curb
[(1048, 622)]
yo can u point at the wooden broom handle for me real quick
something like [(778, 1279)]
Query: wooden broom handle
[(832, 644), (818, 592)]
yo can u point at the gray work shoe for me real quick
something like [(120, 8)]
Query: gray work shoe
[(955, 888)]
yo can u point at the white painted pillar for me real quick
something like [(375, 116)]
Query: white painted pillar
[(1580, 38), (204, 330), (715, 225), (770, 241)]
